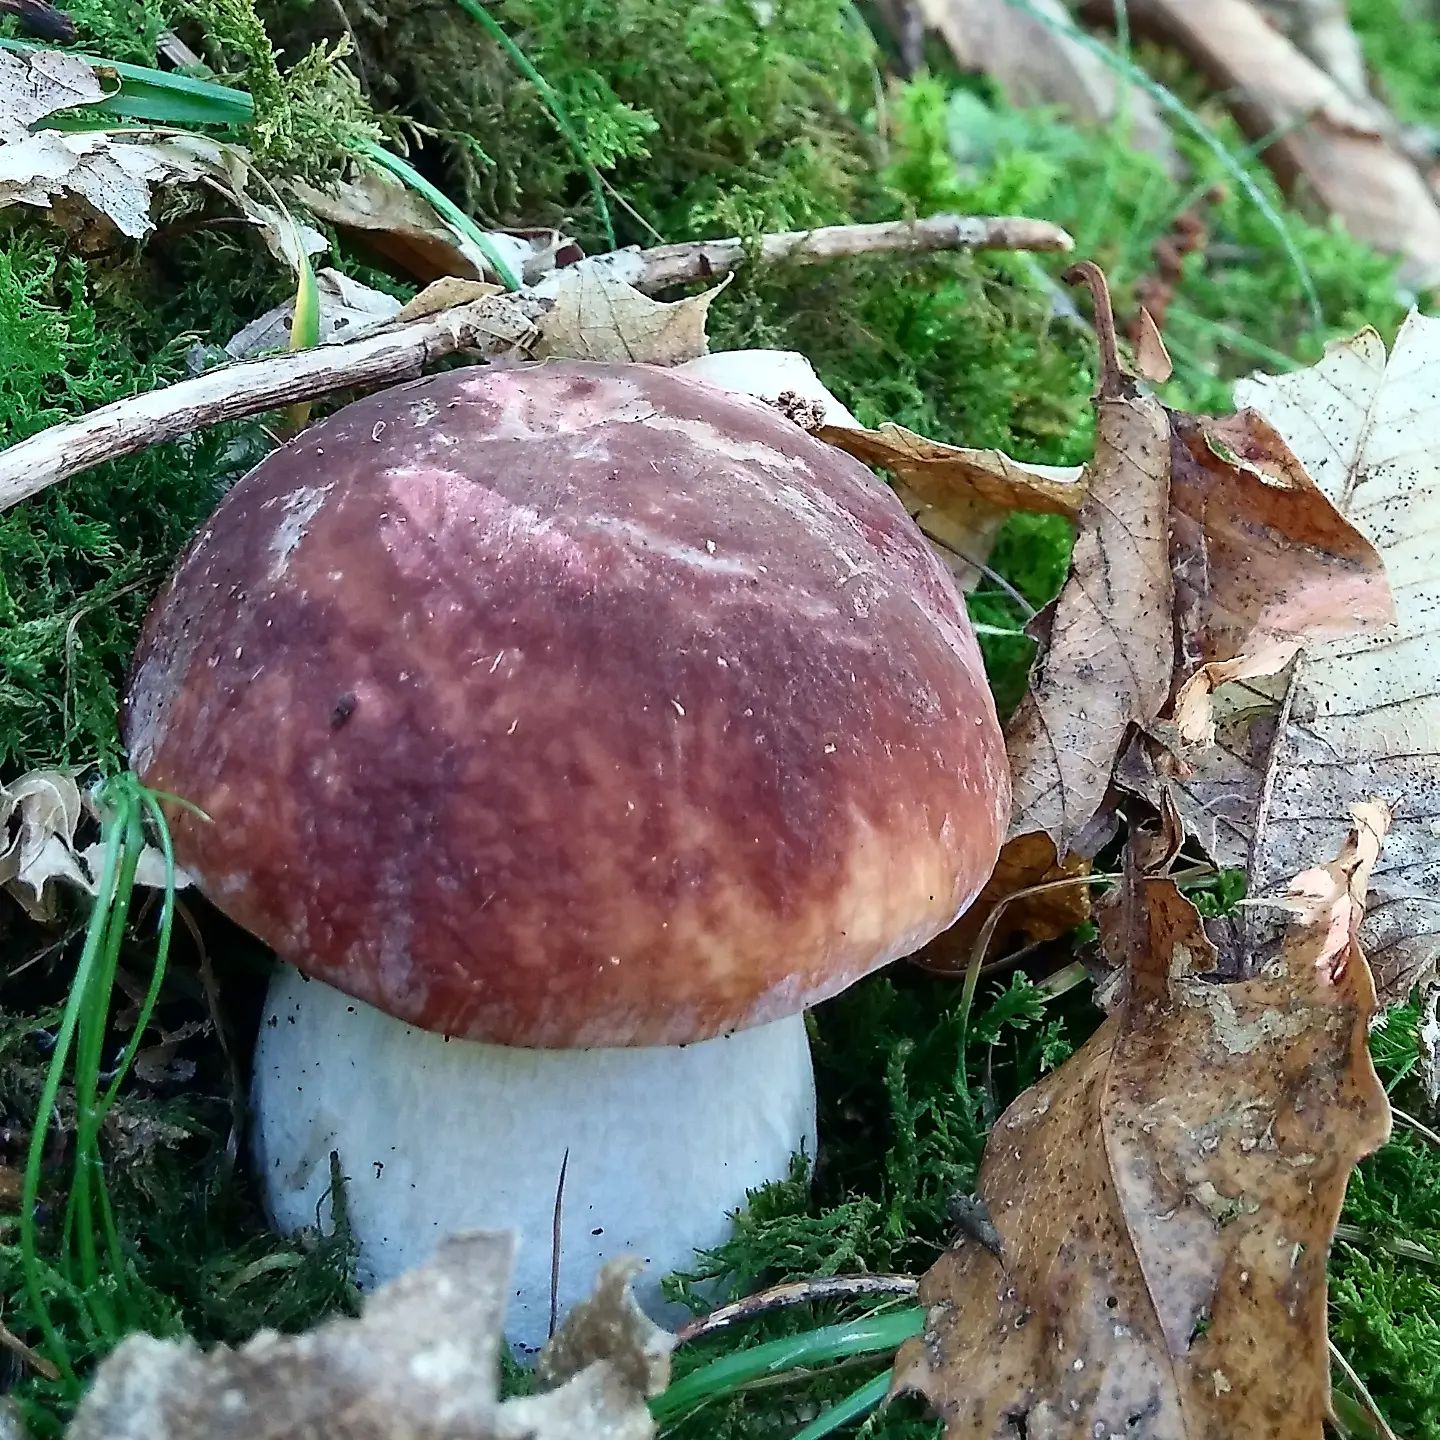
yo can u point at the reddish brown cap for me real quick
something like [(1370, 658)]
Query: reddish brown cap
[(572, 705)]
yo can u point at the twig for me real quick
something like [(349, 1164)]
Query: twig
[(797, 1292), (1418, 1126), (37, 1362), (232, 392), (668, 265), (492, 325)]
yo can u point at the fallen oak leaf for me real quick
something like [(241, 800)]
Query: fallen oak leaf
[(1264, 564), (930, 468), (595, 316), (374, 206), (1110, 654), (1353, 717), (1165, 1200), (422, 1363), (1204, 554)]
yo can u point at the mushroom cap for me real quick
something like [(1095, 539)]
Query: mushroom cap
[(571, 705)]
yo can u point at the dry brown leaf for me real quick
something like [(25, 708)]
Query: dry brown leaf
[(401, 227), (1038, 64), (1320, 139), (1110, 654), (421, 1364), (1025, 861), (597, 317), (1165, 1201), (934, 470), (1263, 562), (444, 294), (1353, 717)]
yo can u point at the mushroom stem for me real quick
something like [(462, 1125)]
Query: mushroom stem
[(440, 1135)]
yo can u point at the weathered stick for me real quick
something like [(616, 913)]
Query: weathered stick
[(495, 324), (797, 1292), (232, 392), (667, 265)]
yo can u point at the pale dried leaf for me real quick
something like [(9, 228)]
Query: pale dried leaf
[(38, 816), (1033, 63), (348, 309), (596, 317), (1320, 139), (115, 176), (1152, 359), (40, 83), (421, 1364), (1108, 664), (1361, 716), (932, 469), (444, 294), (1165, 1200)]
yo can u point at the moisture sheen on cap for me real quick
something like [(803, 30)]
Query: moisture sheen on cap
[(571, 705)]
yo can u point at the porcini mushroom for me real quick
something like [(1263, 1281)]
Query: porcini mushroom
[(570, 729)]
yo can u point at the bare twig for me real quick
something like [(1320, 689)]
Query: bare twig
[(797, 1292), (232, 392), (667, 265), (37, 1362), (495, 324)]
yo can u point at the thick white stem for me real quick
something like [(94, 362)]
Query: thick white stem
[(436, 1136)]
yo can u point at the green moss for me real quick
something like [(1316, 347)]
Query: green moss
[(1401, 41), (79, 562)]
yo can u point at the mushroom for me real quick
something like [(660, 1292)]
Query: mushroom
[(570, 729)]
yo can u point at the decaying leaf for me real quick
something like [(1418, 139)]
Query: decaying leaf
[(39, 815), (1321, 140), (933, 469), (395, 222), (1165, 1201), (1108, 662), (1038, 64), (611, 1328), (1264, 564), (597, 317), (113, 177), (1354, 717), (421, 1364), (1025, 861), (1204, 554)]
